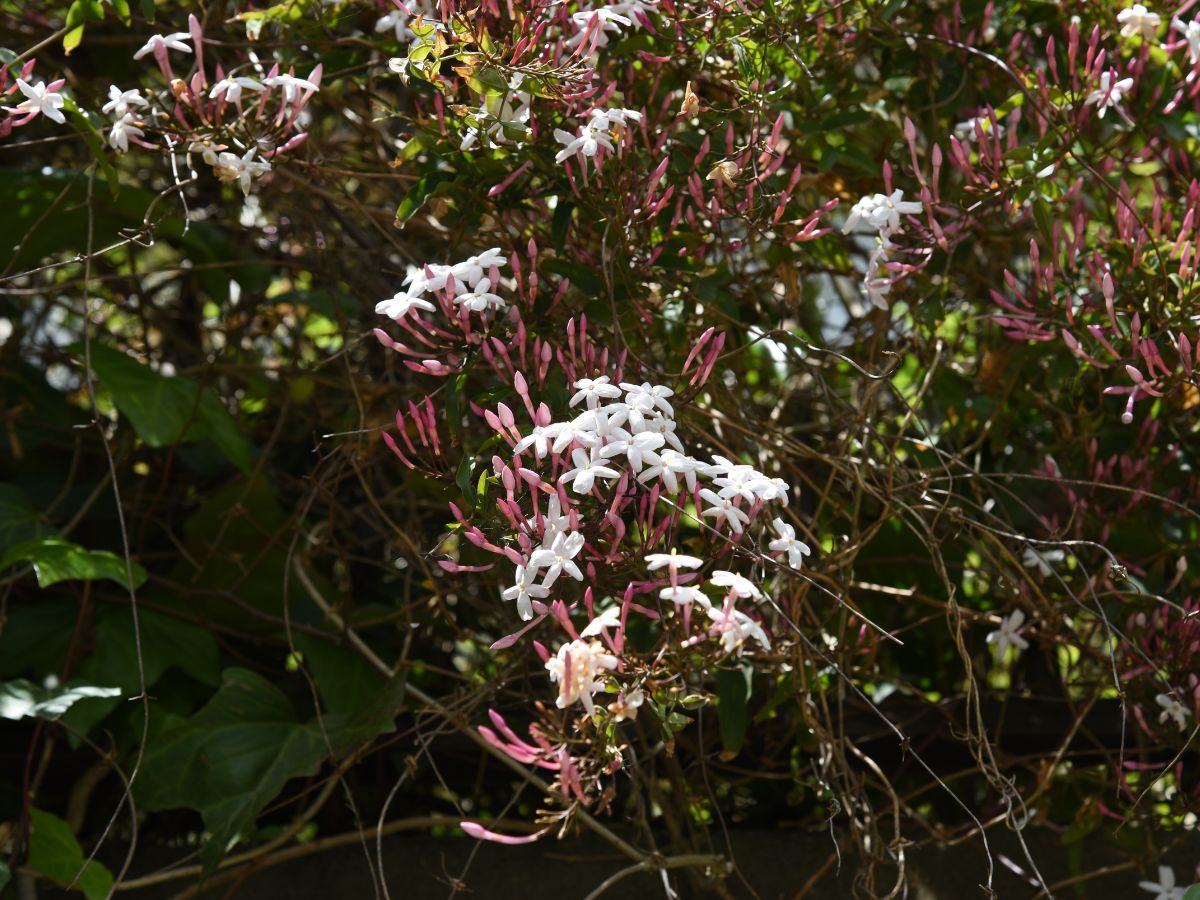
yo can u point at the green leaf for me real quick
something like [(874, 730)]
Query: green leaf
[(462, 477), (236, 754), (4, 875), (72, 39), (1192, 893), (167, 409), (22, 699), (80, 13), (85, 123), (159, 407), (121, 8), (148, 10), (454, 407), (35, 637), (733, 689), (167, 642), (19, 520), (54, 852), (420, 192), (345, 681), (56, 560)]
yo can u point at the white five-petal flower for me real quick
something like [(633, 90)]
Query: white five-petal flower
[(1006, 635)]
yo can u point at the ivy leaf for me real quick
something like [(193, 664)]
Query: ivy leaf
[(54, 852), (56, 560), (22, 699), (19, 520), (235, 755), (165, 409)]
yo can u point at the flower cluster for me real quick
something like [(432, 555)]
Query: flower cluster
[(470, 283), (594, 135), (226, 122), (880, 214)]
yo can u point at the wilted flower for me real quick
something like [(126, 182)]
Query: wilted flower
[(691, 103), (626, 705), (724, 172)]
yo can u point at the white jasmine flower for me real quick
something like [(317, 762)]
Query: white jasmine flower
[(118, 135), (1006, 635), (724, 510), (577, 669), (682, 594), (592, 390), (1137, 20), (610, 618), (587, 143), (637, 448), (231, 87), (1191, 34), (481, 298), (1109, 93), (119, 101), (401, 304), (787, 543), (881, 212), (471, 271), (524, 590), (559, 557), (588, 467), (626, 705), (40, 99), (672, 561), (1034, 559), (396, 20), (173, 41), (1165, 888), (732, 628), (670, 465), (290, 85), (736, 584), (1172, 709)]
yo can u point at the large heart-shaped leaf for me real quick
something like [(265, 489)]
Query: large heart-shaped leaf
[(56, 560), (236, 754), (54, 852)]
